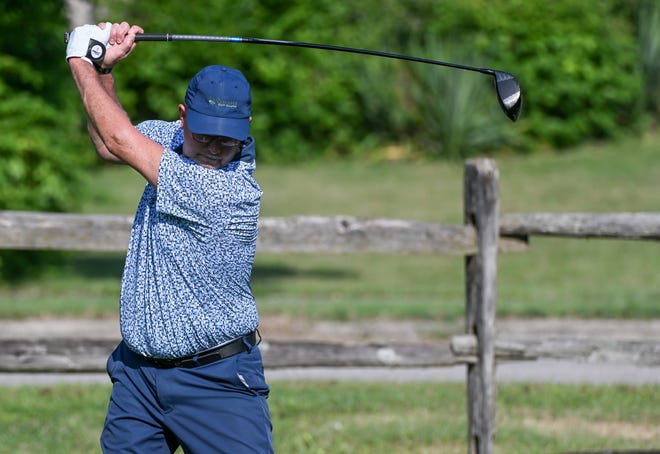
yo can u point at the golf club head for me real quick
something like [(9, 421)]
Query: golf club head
[(508, 94)]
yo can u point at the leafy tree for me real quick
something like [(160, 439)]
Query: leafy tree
[(577, 62), (648, 22), (44, 156)]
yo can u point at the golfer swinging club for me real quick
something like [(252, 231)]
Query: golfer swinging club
[(188, 371)]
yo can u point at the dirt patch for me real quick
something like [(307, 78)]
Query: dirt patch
[(604, 429), (284, 327), (380, 330)]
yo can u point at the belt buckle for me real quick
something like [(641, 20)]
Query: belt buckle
[(162, 363)]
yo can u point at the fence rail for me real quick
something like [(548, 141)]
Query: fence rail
[(482, 237), (89, 355), (298, 234), (333, 234), (631, 226)]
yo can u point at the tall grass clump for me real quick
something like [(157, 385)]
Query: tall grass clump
[(457, 113), (437, 111), (649, 43)]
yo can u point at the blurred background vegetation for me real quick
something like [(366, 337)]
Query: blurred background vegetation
[(589, 70)]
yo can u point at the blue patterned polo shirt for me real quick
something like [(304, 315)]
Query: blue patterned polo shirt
[(186, 281)]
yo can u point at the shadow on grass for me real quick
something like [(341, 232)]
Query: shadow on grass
[(270, 272), (27, 265), (97, 264), (102, 265)]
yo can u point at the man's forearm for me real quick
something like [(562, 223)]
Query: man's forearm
[(108, 83), (104, 112)]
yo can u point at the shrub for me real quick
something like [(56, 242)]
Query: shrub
[(649, 41), (577, 62), (41, 144)]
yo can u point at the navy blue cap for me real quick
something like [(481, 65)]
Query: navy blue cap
[(219, 103)]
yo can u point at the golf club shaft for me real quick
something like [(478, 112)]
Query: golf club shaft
[(276, 42)]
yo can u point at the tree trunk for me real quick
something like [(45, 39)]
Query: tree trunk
[(79, 12)]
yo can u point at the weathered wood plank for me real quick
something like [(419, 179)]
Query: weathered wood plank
[(55, 355), (329, 354), (638, 226), (481, 210), (640, 353), (337, 234), (64, 231), (466, 347), (346, 234), (90, 355), (299, 234)]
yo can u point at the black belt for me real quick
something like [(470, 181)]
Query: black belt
[(208, 356)]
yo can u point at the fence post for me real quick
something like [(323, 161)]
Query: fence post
[(481, 210)]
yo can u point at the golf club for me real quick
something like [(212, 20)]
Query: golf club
[(507, 87)]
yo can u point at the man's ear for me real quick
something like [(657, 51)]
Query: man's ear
[(182, 114)]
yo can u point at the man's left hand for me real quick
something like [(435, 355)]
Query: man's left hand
[(88, 42)]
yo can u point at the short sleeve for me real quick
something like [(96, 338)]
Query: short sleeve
[(191, 192)]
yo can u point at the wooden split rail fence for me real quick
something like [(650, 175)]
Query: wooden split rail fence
[(480, 239)]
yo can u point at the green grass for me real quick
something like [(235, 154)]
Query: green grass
[(370, 418), (556, 277), (62, 419)]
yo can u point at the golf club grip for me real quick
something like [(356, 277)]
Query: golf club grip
[(152, 37), (172, 37)]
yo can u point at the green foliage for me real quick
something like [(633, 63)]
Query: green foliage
[(302, 100), (577, 62), (37, 170), (446, 114), (649, 43), (43, 163)]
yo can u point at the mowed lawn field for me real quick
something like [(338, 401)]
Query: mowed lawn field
[(554, 278), (370, 418)]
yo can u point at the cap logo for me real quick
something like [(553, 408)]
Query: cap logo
[(223, 103)]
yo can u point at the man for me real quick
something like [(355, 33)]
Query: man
[(188, 371)]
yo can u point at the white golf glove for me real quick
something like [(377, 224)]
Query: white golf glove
[(89, 43)]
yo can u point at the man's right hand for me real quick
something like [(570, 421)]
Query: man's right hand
[(121, 42)]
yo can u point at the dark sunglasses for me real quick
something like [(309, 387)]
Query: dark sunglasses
[(225, 142)]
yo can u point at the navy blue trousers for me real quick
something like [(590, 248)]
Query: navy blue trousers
[(216, 408)]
